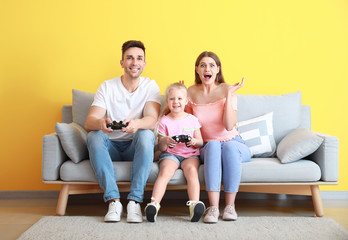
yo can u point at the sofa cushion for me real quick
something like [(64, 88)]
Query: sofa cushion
[(258, 135), (83, 171), (81, 104), (297, 145), (285, 108), (74, 140), (272, 170), (257, 170)]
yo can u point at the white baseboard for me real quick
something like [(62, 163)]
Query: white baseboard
[(334, 195)]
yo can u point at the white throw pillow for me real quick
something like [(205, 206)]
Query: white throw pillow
[(258, 135), (74, 140), (297, 145)]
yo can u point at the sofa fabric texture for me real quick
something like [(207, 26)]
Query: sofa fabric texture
[(285, 108), (74, 140), (298, 144)]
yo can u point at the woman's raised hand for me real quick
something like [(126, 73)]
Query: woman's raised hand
[(236, 86)]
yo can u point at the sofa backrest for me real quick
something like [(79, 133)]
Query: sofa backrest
[(288, 112)]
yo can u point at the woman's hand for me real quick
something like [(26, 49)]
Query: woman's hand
[(236, 86)]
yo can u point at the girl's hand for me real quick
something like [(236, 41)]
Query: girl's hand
[(192, 143), (236, 86), (170, 142)]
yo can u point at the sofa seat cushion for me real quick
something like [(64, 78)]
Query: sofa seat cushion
[(257, 170), (272, 170), (83, 171)]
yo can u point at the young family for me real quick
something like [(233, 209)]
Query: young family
[(214, 140)]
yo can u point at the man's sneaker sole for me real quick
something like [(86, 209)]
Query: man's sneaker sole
[(111, 220), (151, 213), (134, 220), (198, 212)]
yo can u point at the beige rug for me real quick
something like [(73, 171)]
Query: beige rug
[(55, 227)]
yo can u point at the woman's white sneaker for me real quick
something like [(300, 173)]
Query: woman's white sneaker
[(230, 213), (114, 213), (212, 215)]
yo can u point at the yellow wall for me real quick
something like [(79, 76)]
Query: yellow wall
[(49, 47)]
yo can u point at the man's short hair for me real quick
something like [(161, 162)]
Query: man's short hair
[(130, 44)]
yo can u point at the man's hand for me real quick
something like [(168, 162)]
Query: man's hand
[(132, 126), (103, 125)]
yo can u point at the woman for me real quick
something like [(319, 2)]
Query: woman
[(214, 103)]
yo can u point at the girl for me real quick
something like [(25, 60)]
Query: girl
[(175, 121), (224, 150)]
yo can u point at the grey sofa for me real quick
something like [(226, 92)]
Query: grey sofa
[(288, 158)]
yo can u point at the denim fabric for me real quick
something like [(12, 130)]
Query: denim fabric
[(103, 152), (222, 161), (176, 158)]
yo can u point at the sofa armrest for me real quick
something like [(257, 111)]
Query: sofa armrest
[(53, 156), (326, 156)]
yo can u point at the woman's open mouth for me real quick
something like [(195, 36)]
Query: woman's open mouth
[(207, 76)]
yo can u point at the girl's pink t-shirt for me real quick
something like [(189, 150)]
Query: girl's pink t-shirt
[(185, 126), (210, 116)]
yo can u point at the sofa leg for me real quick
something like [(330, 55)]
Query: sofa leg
[(317, 202), (62, 200)]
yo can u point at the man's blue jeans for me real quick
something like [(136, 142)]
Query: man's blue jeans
[(103, 152)]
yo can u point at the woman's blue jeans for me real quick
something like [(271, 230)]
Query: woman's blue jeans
[(103, 152), (222, 163)]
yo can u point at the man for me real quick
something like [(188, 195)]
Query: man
[(135, 100)]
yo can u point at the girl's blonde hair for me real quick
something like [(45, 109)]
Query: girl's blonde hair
[(172, 86)]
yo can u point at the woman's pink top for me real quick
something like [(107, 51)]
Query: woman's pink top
[(210, 116)]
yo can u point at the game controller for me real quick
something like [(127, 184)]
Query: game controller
[(182, 138), (116, 125)]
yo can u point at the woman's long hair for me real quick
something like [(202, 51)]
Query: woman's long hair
[(219, 76)]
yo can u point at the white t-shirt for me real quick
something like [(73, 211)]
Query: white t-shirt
[(121, 104)]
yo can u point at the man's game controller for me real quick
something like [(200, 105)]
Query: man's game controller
[(116, 125), (182, 138)]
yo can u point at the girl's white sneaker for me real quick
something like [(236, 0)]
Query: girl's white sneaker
[(197, 209), (151, 211)]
